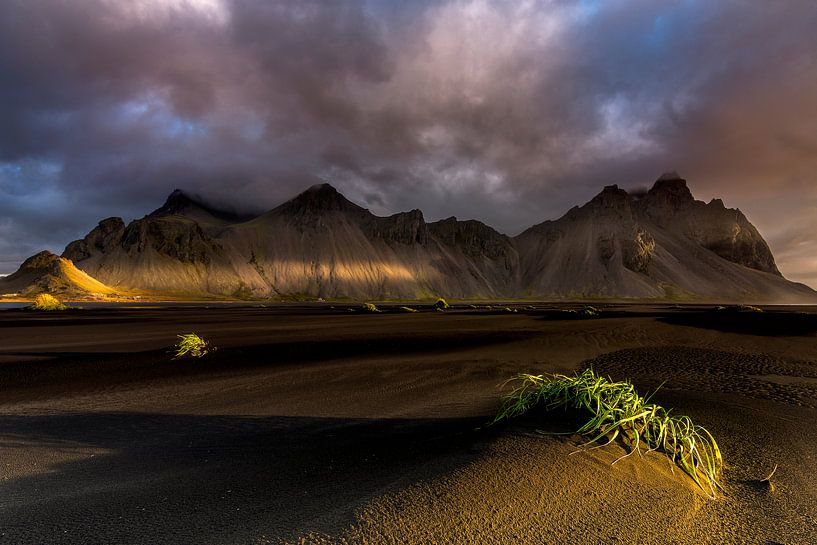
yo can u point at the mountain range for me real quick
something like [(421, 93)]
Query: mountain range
[(662, 244)]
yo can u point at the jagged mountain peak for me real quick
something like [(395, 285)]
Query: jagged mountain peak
[(670, 189), (319, 199), (612, 202), (177, 202), (611, 196), (182, 203)]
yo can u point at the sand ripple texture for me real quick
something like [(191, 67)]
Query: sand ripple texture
[(698, 369)]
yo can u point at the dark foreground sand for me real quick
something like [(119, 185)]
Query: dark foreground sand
[(318, 426)]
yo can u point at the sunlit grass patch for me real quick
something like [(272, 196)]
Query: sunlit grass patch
[(408, 309), (46, 302), (616, 410), (589, 312), (584, 312), (739, 308), (192, 346), (441, 304), (369, 307)]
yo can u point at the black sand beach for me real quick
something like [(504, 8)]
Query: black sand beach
[(318, 425)]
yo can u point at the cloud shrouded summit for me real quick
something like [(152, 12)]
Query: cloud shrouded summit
[(506, 112)]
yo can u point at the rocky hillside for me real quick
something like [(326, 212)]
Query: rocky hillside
[(663, 244), (318, 244)]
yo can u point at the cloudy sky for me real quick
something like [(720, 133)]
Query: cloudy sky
[(508, 112)]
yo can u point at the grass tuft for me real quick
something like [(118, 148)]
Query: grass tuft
[(191, 345), (616, 410), (369, 307), (441, 304), (46, 302), (739, 308), (590, 312), (584, 312)]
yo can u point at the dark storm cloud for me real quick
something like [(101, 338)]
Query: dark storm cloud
[(510, 112)]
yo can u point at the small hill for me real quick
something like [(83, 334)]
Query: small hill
[(48, 273)]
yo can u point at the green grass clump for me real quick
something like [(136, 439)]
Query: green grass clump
[(584, 312), (370, 307), (408, 309), (441, 304), (46, 302), (589, 311), (614, 410), (191, 345), (739, 308)]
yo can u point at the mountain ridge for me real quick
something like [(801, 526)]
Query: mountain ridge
[(662, 244)]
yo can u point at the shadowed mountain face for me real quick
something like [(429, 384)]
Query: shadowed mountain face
[(663, 244)]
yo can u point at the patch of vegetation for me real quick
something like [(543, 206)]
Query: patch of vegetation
[(616, 410), (739, 308), (408, 309), (589, 311), (585, 312), (441, 304), (192, 346), (47, 303), (369, 307)]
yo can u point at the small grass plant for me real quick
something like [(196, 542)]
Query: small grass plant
[(590, 311), (441, 304), (46, 302), (739, 308), (584, 312), (616, 410), (191, 345), (370, 307)]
